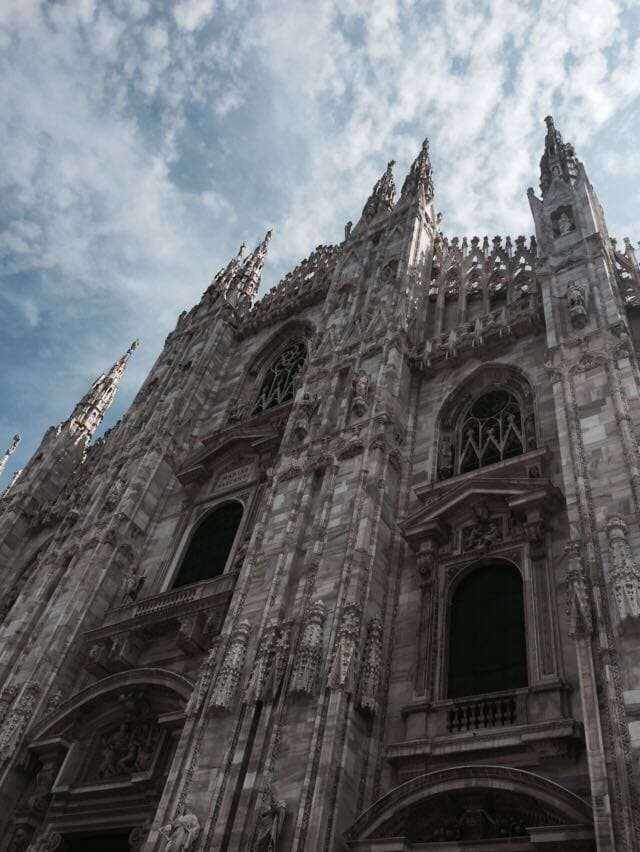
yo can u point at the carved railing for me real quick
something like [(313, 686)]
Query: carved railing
[(482, 714), (173, 604)]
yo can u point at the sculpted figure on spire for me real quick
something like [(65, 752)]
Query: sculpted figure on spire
[(420, 175), (559, 158), (383, 196)]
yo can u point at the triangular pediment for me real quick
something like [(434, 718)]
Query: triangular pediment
[(452, 501), (254, 440)]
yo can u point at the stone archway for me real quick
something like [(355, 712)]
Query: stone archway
[(472, 805), (99, 763)]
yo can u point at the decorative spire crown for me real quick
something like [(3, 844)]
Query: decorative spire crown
[(383, 196), (89, 412), (420, 175), (242, 284), (559, 158), (8, 452)]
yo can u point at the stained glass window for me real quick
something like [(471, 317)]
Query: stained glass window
[(495, 428), (280, 382)]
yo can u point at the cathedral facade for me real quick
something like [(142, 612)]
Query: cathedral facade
[(360, 567)]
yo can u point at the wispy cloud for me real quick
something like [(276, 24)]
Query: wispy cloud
[(141, 142)]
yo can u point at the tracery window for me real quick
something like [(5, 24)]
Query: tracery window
[(495, 426), (210, 545), (487, 645), (280, 383)]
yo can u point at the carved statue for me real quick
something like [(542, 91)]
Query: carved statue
[(576, 299), (131, 585), (445, 458), (270, 825), (360, 392), (182, 832)]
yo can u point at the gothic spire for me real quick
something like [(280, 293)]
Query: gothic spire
[(382, 197), (88, 413), (559, 158), (420, 175), (244, 283), (8, 452)]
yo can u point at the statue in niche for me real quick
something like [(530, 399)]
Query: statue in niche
[(182, 832), (562, 221), (131, 585), (445, 458), (360, 392), (577, 303), (270, 825)]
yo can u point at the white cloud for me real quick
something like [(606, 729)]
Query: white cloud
[(192, 14), (144, 143)]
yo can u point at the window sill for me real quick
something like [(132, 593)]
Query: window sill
[(528, 720)]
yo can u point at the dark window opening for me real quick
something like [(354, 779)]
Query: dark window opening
[(487, 646), (210, 546)]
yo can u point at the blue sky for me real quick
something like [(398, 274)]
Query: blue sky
[(142, 140)]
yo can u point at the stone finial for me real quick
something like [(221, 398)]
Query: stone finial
[(309, 652), (420, 175), (624, 571), (89, 412), (342, 674), (8, 452), (239, 282), (226, 685), (578, 593), (371, 667), (559, 159), (383, 195)]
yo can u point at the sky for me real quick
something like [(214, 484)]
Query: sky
[(141, 141)]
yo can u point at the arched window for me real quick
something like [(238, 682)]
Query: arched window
[(279, 385), (487, 647), (210, 545), (495, 425)]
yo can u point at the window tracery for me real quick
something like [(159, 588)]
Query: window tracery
[(496, 424), (280, 383)]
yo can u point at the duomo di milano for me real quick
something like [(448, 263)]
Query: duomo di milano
[(360, 567)]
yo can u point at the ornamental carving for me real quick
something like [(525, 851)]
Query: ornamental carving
[(196, 700), (182, 832), (309, 653), (624, 572), (305, 410), (493, 426), (17, 719), (487, 530), (228, 679), (270, 822), (578, 593), (342, 674), (577, 305), (282, 378), (371, 667), (360, 385), (127, 746), (263, 663)]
